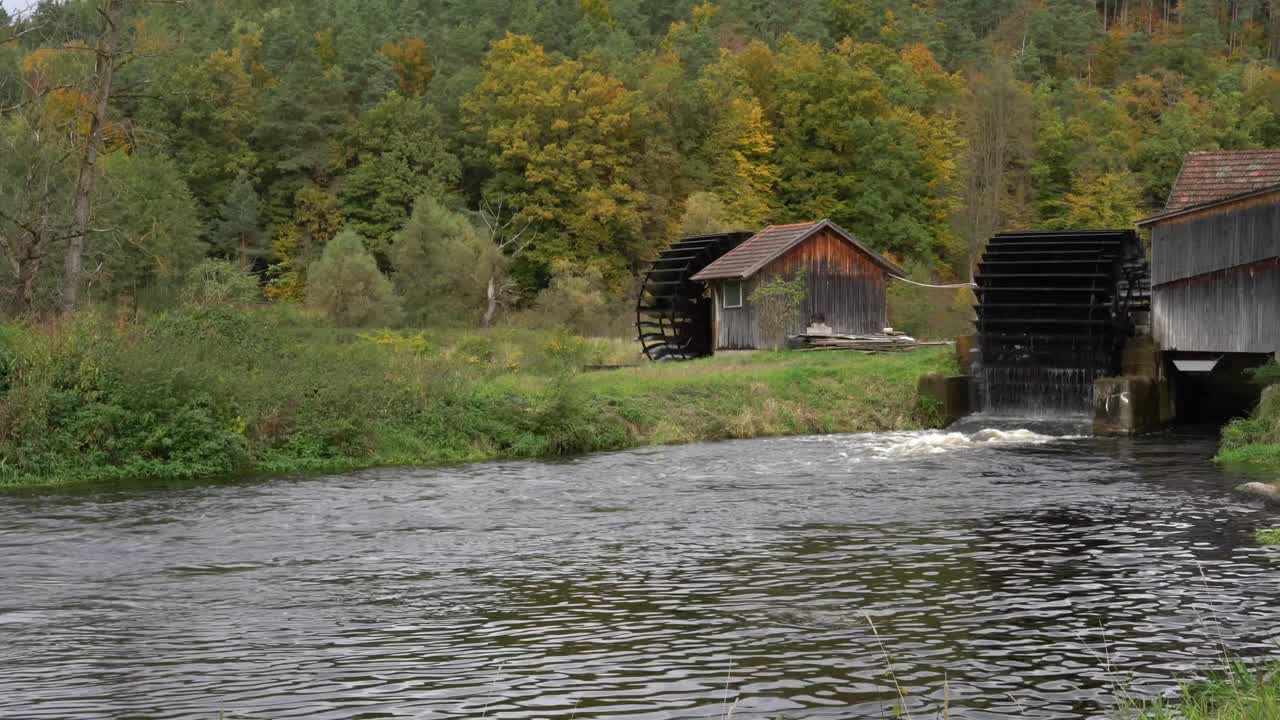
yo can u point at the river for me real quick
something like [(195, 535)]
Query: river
[(1007, 574)]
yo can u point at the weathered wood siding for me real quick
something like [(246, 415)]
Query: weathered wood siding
[(1234, 310), (1215, 239), (846, 290)]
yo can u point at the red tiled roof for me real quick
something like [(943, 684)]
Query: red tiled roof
[(769, 244), (1213, 175)]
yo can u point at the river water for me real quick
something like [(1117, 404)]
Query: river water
[(1007, 574)]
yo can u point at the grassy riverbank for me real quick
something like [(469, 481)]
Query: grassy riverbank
[(217, 391), (1254, 442), (1240, 694)]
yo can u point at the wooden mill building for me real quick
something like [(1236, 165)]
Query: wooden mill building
[(845, 283), (1215, 256), (1215, 280)]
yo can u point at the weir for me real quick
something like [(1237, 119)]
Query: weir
[(1054, 312)]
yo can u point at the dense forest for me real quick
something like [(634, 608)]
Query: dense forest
[(450, 162)]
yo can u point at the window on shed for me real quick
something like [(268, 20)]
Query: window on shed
[(733, 295)]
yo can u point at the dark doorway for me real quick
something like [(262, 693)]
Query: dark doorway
[(1220, 396)]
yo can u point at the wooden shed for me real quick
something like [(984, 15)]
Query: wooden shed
[(845, 282), (1215, 256)]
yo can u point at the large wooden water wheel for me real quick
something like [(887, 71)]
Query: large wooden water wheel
[(673, 313), (1054, 311)]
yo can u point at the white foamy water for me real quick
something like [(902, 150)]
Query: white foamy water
[(937, 442)]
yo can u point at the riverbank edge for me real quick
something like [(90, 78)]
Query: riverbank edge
[(1252, 445), (1260, 459), (759, 395), (1238, 691)]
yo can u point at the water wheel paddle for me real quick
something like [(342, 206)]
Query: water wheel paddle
[(1054, 311), (673, 313)]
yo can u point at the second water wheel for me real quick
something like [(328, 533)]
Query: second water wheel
[(673, 313)]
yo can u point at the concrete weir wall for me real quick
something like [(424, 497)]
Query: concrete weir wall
[(1125, 406), (953, 395), (1138, 401)]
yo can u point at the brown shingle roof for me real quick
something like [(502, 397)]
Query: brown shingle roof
[(769, 244), (1212, 175)]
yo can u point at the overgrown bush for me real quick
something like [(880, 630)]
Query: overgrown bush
[(92, 400), (1261, 428), (777, 302), (346, 285), (578, 300), (220, 282), (443, 266), (216, 390)]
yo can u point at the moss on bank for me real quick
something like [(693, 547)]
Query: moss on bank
[(208, 392)]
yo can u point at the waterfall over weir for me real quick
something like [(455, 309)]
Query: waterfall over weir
[(1054, 311), (1037, 391)]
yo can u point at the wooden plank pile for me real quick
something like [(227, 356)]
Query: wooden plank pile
[(870, 344)]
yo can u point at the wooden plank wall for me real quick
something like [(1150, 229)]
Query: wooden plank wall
[(1235, 310), (1216, 239), (845, 288)]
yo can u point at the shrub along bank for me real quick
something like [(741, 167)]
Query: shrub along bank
[(213, 391), (1255, 441)]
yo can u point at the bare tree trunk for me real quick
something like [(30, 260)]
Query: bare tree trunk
[(112, 12), (491, 294), (508, 241), (28, 271)]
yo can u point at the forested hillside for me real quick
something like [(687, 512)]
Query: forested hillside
[(457, 161)]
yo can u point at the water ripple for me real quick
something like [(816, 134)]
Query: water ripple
[(1007, 574)]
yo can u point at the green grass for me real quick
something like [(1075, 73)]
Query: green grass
[(1253, 443), (1264, 458), (218, 392), (1269, 537), (1241, 693)]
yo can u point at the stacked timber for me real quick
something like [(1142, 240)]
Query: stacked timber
[(872, 343)]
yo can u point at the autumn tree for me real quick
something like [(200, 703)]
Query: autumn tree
[(1112, 200), (562, 141), (705, 213), (411, 64), (867, 137), (920, 125), (739, 146)]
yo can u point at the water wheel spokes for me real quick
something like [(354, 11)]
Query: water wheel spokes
[(673, 314)]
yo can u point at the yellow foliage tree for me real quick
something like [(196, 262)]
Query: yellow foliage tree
[(412, 65), (1111, 200), (563, 143), (747, 177)]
